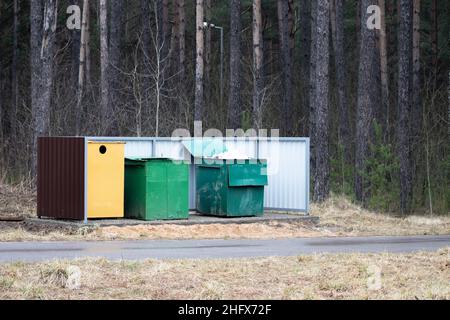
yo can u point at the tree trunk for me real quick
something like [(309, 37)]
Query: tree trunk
[(42, 111), (234, 106), (104, 64), (1, 92), (286, 67), (434, 40), (36, 24), (322, 176), (14, 79), (174, 41), (366, 99), (147, 43), (182, 40), (116, 38), (166, 25), (258, 78), (82, 67), (207, 54), (416, 123), (344, 137), (404, 102), (87, 74), (162, 8), (75, 55), (199, 70), (305, 56), (384, 67), (312, 88), (292, 26)]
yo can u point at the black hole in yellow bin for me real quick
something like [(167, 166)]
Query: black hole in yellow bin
[(102, 149)]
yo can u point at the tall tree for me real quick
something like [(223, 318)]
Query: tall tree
[(104, 64), (434, 40), (14, 78), (305, 53), (383, 44), (36, 23), (199, 70), (182, 40), (116, 39), (234, 104), (404, 102), (291, 26), (82, 66), (322, 176), (366, 99), (286, 67), (258, 68), (207, 53), (41, 111), (338, 36), (312, 87), (147, 42), (75, 53), (1, 85), (163, 24), (174, 41), (416, 118)]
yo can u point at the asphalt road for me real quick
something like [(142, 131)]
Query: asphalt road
[(213, 249)]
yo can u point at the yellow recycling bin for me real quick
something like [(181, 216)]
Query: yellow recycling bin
[(106, 176)]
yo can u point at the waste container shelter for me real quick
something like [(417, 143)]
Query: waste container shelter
[(68, 166), (156, 189)]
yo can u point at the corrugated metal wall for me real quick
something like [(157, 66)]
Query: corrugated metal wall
[(288, 165), (288, 170), (60, 181)]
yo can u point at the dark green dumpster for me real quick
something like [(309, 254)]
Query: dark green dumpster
[(156, 189), (231, 189)]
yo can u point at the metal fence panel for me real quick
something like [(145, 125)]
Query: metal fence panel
[(288, 173), (288, 165), (139, 149)]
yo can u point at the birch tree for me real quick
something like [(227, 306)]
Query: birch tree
[(199, 69), (258, 76), (41, 109)]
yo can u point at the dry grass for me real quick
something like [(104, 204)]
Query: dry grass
[(339, 217), (17, 201), (275, 230), (325, 276)]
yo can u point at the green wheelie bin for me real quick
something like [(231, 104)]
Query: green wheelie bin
[(156, 189)]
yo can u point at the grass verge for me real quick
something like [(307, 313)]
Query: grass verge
[(325, 276)]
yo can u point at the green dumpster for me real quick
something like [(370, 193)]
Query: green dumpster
[(156, 189), (231, 189)]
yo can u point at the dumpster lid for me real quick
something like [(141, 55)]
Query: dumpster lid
[(243, 175), (205, 147), (213, 148), (142, 161)]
